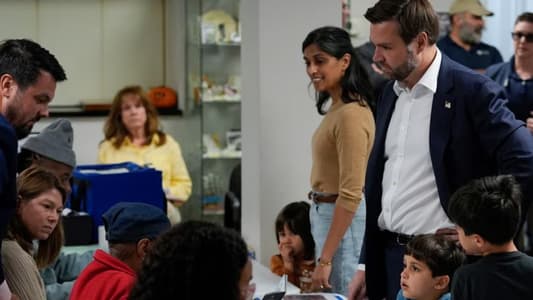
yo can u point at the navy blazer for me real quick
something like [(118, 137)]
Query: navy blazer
[(472, 134), (8, 179)]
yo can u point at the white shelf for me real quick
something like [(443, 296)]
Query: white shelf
[(221, 100), (222, 155), (221, 45), (208, 212)]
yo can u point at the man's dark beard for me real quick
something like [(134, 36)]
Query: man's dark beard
[(22, 131), (401, 72)]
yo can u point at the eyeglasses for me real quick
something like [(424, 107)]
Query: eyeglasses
[(517, 36)]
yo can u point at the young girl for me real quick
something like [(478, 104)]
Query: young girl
[(296, 245), (40, 198)]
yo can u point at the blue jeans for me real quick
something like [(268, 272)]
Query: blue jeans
[(346, 258)]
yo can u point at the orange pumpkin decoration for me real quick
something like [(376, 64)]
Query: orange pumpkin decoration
[(163, 97)]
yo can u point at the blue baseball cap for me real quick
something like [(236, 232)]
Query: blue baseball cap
[(129, 222)]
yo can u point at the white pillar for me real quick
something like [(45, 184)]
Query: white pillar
[(278, 112)]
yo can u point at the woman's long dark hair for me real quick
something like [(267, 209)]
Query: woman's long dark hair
[(355, 85)]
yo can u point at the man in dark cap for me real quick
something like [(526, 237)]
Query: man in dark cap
[(463, 43), (130, 230)]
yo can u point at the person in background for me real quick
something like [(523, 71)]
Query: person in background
[(438, 126), (487, 214), (196, 260), (429, 264), (340, 149), (132, 134), (516, 76), (365, 53), (28, 77), (40, 201), (52, 150), (131, 228), (463, 43), (296, 245)]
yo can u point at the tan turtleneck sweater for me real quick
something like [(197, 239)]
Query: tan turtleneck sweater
[(341, 146)]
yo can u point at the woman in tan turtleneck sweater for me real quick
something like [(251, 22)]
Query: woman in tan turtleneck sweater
[(340, 149)]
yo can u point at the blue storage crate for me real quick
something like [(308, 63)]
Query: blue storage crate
[(98, 187)]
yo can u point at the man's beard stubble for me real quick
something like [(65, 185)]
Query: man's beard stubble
[(401, 72), (13, 116)]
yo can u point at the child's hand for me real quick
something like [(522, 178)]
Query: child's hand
[(286, 252)]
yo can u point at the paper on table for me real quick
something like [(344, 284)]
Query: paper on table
[(267, 282), (315, 296)]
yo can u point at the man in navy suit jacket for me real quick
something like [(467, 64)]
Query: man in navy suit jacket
[(438, 126)]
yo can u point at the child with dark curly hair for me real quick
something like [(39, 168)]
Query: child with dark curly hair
[(429, 264), (487, 214), (196, 260)]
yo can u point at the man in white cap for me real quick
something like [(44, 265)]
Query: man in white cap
[(463, 42)]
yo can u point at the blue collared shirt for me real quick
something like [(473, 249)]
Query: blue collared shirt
[(446, 296), (480, 56), (519, 91)]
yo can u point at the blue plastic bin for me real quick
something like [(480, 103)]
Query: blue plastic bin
[(98, 187)]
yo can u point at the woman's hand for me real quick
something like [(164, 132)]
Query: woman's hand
[(176, 202), (321, 277)]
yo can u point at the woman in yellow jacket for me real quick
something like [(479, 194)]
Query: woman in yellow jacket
[(132, 134)]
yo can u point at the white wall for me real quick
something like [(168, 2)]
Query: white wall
[(89, 130), (278, 113), (103, 45), (361, 27)]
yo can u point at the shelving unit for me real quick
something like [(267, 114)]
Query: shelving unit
[(214, 63)]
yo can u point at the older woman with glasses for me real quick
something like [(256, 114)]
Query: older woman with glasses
[(516, 76)]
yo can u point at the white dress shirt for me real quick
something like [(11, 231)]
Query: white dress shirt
[(410, 200)]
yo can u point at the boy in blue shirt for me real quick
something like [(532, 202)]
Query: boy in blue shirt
[(429, 264), (487, 214)]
